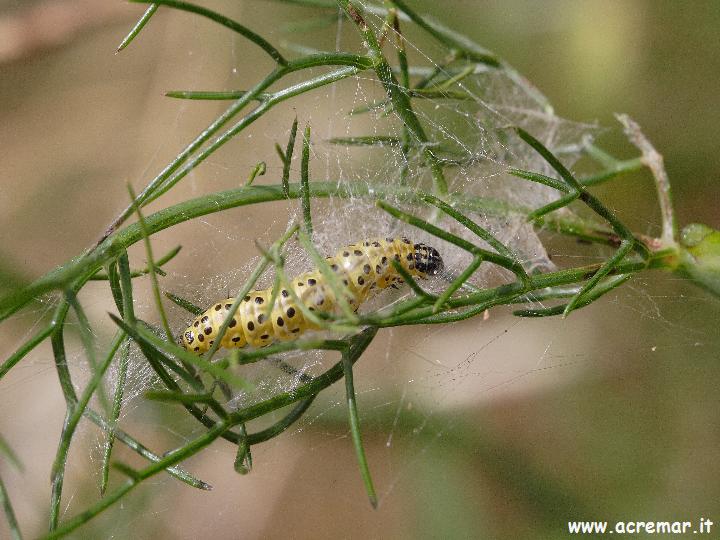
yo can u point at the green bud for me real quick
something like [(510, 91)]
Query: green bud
[(700, 256)]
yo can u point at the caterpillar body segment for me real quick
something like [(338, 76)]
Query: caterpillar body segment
[(361, 268)]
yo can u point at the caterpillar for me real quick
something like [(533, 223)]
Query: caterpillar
[(362, 268)]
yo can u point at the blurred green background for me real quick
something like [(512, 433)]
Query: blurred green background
[(612, 414)]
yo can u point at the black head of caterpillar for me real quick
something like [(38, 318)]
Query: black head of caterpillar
[(361, 268), (427, 260)]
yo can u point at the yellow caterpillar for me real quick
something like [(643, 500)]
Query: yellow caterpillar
[(362, 268)]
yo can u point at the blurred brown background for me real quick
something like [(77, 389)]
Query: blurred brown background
[(500, 429)]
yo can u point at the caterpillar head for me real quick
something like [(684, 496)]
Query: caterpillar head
[(428, 261)]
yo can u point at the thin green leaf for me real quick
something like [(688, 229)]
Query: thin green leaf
[(224, 21), (550, 158), (602, 289), (287, 158), (457, 283), (88, 342), (280, 153), (539, 179), (355, 430), (9, 454), (114, 283), (9, 513), (273, 295), (127, 470), (278, 427), (305, 181), (183, 303), (214, 96), (57, 341), (623, 167), (170, 255), (370, 140), (114, 415), (152, 266), (562, 202), (180, 397), (149, 12), (128, 311), (25, 348)]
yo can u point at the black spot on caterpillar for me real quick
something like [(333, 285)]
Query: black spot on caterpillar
[(362, 273)]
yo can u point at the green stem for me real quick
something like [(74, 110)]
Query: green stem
[(506, 294), (278, 427), (24, 349), (73, 415), (88, 342), (9, 513), (143, 451), (457, 283), (170, 255), (9, 454), (244, 196)]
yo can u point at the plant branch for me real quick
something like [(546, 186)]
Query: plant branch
[(397, 94), (242, 196), (357, 346), (653, 160)]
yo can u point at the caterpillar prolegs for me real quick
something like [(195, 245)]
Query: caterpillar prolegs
[(362, 268)]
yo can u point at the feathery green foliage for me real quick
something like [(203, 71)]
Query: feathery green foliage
[(189, 381)]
